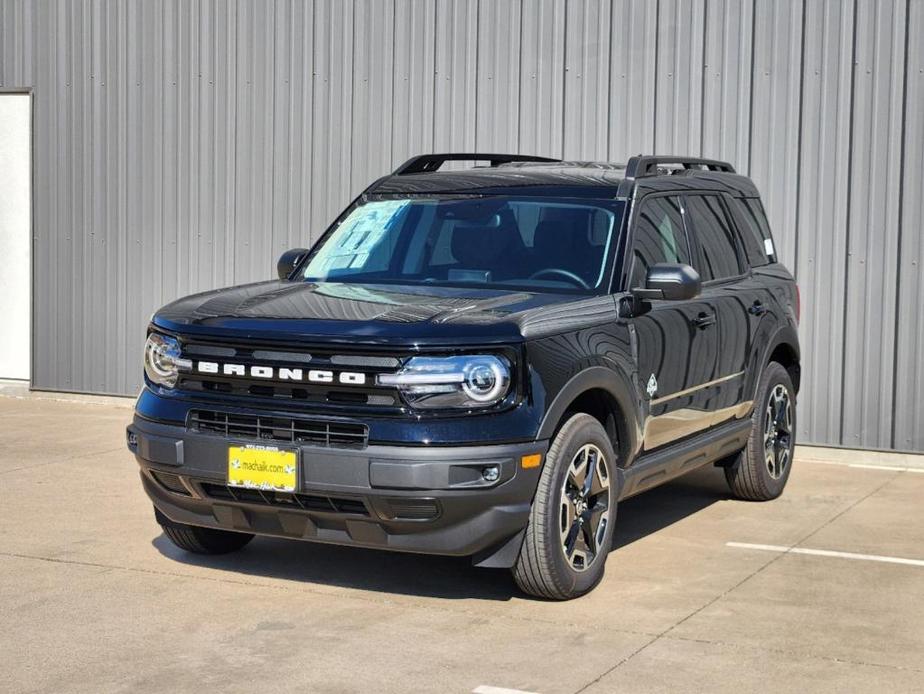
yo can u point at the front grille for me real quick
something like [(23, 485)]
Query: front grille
[(300, 391), (307, 394), (288, 429), (305, 502)]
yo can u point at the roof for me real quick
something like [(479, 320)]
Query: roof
[(527, 175), (516, 175)]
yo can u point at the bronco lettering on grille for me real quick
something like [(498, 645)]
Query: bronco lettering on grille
[(282, 373)]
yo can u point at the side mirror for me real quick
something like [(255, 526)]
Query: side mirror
[(288, 261), (670, 282)]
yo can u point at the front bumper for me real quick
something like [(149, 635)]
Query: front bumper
[(424, 499)]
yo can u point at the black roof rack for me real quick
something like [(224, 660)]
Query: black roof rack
[(426, 163), (646, 165)]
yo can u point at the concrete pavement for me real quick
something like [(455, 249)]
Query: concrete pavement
[(94, 599)]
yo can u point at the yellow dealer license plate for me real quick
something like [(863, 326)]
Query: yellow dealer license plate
[(262, 467)]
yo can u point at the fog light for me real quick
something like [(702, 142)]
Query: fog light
[(491, 473)]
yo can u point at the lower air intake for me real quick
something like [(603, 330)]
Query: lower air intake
[(287, 429)]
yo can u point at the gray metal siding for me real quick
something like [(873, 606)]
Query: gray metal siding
[(181, 146)]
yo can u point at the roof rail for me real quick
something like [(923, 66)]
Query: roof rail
[(426, 163), (647, 165)]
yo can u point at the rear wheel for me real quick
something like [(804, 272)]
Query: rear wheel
[(571, 523), (201, 540), (760, 471)]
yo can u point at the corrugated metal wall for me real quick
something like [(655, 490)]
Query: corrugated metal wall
[(182, 145)]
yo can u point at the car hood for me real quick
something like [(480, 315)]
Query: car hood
[(380, 314)]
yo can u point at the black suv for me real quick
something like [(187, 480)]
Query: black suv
[(481, 362)]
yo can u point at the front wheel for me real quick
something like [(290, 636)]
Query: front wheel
[(571, 523), (760, 471)]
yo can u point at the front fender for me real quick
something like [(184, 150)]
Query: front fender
[(602, 378)]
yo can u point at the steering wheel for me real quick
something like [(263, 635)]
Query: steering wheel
[(567, 274)]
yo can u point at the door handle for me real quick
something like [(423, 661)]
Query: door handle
[(704, 320), (757, 308)]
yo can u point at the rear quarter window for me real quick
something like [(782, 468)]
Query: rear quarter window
[(753, 230)]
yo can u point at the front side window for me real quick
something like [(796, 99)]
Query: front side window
[(658, 237), (714, 235), (533, 243)]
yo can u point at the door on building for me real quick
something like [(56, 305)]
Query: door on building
[(15, 234)]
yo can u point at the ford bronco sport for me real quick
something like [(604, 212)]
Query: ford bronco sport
[(481, 362)]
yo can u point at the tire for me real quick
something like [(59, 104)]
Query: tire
[(753, 475), (201, 540), (543, 568)]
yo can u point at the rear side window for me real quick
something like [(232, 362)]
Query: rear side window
[(658, 237), (714, 235), (754, 231)]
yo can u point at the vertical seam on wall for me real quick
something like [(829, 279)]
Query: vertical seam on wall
[(609, 85), (181, 248), (853, 80), (314, 116), (32, 239), (564, 77), (436, 11), (751, 90), (702, 87), (520, 85), (391, 110), (163, 150), (353, 61), (122, 214), (477, 60), (233, 239), (901, 219), (272, 99), (657, 78), (799, 153), (197, 48)]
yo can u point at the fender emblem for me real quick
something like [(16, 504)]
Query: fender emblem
[(652, 386)]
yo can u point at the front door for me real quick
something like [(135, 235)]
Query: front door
[(676, 342)]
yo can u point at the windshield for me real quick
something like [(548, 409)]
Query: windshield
[(533, 243)]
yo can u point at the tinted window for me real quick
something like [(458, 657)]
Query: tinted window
[(758, 214), (750, 233), (714, 236), (658, 237), (535, 243)]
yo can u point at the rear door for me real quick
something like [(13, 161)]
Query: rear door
[(719, 260), (675, 341)]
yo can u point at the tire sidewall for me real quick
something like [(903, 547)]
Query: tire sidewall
[(774, 375), (577, 432)]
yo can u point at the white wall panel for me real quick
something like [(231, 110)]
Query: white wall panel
[(15, 234)]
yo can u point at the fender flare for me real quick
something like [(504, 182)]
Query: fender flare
[(786, 335), (602, 378)]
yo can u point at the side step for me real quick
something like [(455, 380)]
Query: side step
[(659, 466)]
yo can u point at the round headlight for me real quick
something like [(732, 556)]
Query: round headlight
[(162, 359), (461, 381), (486, 379)]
